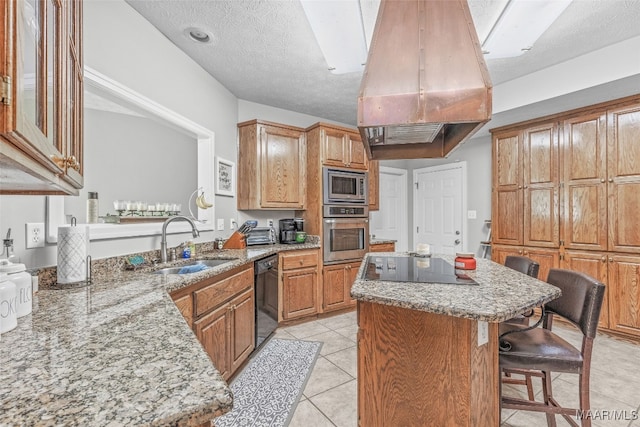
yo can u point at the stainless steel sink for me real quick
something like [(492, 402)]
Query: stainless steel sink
[(206, 262)]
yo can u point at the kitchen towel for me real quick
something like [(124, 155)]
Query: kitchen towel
[(73, 248)]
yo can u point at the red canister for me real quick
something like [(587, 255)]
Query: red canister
[(465, 261)]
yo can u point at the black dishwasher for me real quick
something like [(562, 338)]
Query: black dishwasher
[(266, 293)]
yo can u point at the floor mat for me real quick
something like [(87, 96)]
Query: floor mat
[(267, 390)]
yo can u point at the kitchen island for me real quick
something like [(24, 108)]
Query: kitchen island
[(116, 352), (428, 352)]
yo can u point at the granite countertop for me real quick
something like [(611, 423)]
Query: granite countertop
[(117, 352), (380, 241), (501, 294)]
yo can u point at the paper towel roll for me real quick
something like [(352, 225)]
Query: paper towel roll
[(73, 248)]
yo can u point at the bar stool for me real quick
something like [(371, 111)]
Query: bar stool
[(525, 266), (539, 351)]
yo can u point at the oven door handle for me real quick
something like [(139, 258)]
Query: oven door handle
[(338, 220)]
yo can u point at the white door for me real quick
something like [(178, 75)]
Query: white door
[(390, 222), (438, 205)]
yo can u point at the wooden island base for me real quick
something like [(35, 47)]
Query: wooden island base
[(417, 368)]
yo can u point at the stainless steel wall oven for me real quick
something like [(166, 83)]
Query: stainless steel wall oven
[(345, 233)]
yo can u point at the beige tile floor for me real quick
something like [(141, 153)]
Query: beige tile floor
[(330, 396)]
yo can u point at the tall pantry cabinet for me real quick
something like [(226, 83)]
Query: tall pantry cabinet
[(566, 192)]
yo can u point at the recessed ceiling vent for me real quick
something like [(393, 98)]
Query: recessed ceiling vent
[(425, 87)]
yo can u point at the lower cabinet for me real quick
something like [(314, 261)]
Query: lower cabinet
[(624, 293), (547, 258), (595, 265), (227, 333), (382, 247), (299, 281), (337, 280), (221, 312)]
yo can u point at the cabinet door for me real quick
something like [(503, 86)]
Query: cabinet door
[(300, 292), (334, 148), (624, 293), (242, 329), (334, 280), (351, 275), (213, 332), (185, 305), (357, 157), (499, 253), (584, 173), (507, 190), (541, 187), (623, 140), (374, 185), (595, 265), (547, 258), (283, 168)]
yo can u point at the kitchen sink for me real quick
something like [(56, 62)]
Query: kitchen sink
[(203, 262)]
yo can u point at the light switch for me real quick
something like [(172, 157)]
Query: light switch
[(220, 224), (472, 214)]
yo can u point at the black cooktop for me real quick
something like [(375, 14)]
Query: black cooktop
[(415, 269)]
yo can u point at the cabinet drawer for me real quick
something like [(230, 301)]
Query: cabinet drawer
[(299, 260), (215, 294), (382, 247)]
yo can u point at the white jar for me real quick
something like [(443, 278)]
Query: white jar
[(19, 276), (8, 315)]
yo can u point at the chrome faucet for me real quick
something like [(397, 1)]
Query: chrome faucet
[(163, 242)]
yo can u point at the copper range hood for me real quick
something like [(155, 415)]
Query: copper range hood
[(425, 87)]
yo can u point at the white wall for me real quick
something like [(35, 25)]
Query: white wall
[(121, 44), (477, 153)]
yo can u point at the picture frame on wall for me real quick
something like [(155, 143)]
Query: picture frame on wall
[(225, 177)]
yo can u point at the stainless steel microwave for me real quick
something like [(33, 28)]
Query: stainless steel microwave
[(344, 186)]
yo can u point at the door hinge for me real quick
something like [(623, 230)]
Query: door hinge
[(417, 185), (561, 242), (5, 90), (417, 230)]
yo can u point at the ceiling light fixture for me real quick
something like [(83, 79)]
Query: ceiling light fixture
[(339, 31), (520, 24), (198, 35)]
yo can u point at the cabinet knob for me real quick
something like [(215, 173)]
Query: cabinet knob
[(69, 162), (301, 262), (602, 180), (526, 186), (610, 259), (604, 259), (526, 252), (610, 179)]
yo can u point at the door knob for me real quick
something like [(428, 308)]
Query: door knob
[(457, 232), (457, 242)]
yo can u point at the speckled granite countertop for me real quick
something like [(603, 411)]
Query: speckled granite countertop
[(381, 241), (117, 352), (501, 293)]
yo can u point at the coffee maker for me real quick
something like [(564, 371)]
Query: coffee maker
[(288, 228)]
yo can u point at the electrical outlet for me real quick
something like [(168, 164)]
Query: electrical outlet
[(220, 224), (233, 224), (269, 223), (472, 214), (483, 333), (34, 235)]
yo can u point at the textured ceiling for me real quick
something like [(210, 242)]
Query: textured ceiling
[(264, 51)]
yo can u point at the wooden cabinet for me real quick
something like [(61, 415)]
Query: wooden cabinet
[(598, 170), (526, 187), (624, 293), (271, 166), (382, 247), (337, 281), (341, 147), (221, 311), (374, 185), (623, 172), (227, 333), (299, 281), (547, 258), (595, 264), (42, 97)]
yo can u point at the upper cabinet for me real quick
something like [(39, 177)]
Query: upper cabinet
[(271, 166), (342, 147), (41, 147), (526, 187)]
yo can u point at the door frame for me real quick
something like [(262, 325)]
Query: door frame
[(404, 196), (463, 183)]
